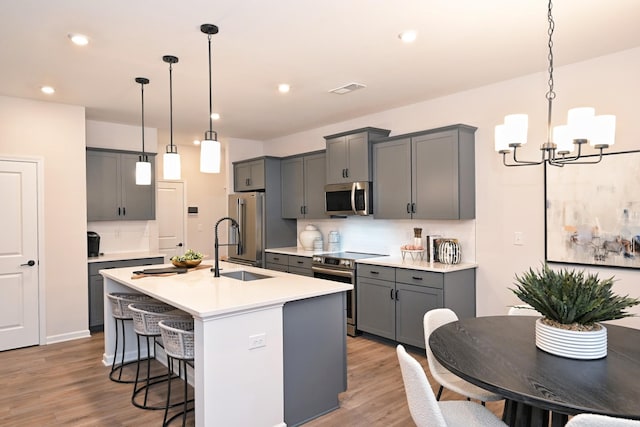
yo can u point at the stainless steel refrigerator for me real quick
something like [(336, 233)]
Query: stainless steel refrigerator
[(261, 226)]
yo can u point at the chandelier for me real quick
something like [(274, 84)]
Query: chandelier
[(582, 127)]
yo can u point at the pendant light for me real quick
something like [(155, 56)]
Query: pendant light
[(171, 159), (210, 146), (582, 126), (143, 166)]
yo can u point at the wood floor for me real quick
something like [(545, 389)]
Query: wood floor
[(66, 385)]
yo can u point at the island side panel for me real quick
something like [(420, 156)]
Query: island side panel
[(236, 384), (315, 368)]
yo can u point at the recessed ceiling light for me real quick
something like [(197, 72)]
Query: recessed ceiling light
[(47, 89), (79, 39), (349, 87), (284, 88), (408, 36), (215, 116), (196, 142)]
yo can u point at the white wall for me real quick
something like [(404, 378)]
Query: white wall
[(512, 199), (56, 133)]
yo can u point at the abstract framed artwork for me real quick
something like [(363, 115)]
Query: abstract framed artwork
[(593, 212)]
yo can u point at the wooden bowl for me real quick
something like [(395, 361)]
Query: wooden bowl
[(190, 263)]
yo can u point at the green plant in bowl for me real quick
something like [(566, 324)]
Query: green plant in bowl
[(189, 259), (569, 299)]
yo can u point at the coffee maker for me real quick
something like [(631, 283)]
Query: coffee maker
[(93, 244)]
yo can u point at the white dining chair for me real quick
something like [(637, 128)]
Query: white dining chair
[(427, 411), (593, 420), (433, 319)]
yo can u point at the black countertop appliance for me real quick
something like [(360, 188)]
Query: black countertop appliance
[(93, 244)]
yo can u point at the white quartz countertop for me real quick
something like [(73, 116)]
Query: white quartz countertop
[(293, 250), (200, 294), (397, 261), (119, 256)]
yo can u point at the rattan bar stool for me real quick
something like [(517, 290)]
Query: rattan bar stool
[(177, 336), (120, 310), (145, 323)]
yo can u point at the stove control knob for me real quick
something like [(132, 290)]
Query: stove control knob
[(346, 263)]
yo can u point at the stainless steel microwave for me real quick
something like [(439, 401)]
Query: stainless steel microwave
[(352, 198)]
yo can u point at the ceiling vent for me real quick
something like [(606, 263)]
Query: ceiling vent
[(349, 87)]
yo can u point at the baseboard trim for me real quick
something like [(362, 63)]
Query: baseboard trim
[(70, 336)]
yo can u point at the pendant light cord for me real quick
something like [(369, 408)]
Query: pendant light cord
[(550, 94), (210, 91), (171, 107), (142, 97)]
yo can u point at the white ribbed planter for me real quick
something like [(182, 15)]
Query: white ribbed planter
[(586, 345)]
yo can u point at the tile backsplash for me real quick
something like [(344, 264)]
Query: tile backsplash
[(123, 236), (366, 234)]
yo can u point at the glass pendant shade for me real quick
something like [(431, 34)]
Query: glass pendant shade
[(516, 128), (604, 132), (562, 139), (580, 122), (501, 142), (143, 173), (210, 156), (171, 165)]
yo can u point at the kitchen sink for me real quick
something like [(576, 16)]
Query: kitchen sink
[(245, 276)]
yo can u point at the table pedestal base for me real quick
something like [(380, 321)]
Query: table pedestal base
[(518, 414)]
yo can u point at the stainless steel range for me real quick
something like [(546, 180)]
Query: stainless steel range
[(341, 267)]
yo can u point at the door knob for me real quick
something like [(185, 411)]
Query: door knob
[(179, 245), (29, 263)]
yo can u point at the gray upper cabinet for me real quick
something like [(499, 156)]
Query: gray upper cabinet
[(426, 175), (249, 175), (303, 179), (348, 155), (112, 193)]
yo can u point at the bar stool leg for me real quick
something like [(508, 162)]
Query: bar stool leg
[(169, 377)]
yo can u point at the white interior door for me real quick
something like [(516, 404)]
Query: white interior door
[(19, 318), (171, 218)]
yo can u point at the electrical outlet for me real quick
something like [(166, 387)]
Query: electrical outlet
[(518, 238), (257, 341)]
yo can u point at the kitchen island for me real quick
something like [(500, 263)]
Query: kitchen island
[(268, 352)]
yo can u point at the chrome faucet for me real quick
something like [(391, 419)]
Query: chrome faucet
[(216, 245)]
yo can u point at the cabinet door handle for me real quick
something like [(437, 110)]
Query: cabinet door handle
[(413, 208), (374, 272), (302, 209), (276, 258), (300, 262), (118, 211), (124, 211), (396, 295), (343, 173), (247, 181), (391, 294), (408, 207), (416, 278), (346, 172)]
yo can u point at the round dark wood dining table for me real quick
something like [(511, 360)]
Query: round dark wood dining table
[(498, 353)]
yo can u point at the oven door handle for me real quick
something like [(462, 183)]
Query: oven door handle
[(341, 273)]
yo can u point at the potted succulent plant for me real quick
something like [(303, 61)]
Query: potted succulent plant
[(572, 305)]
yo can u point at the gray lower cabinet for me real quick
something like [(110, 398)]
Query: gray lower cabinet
[(112, 193), (391, 302), (303, 180), (426, 175), (314, 356), (96, 286), (295, 264)]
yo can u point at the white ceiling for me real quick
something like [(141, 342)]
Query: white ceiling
[(314, 45)]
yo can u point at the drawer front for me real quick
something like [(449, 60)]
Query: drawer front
[(377, 272), (94, 267), (277, 267), (420, 278), (299, 261), (277, 258), (301, 271)]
